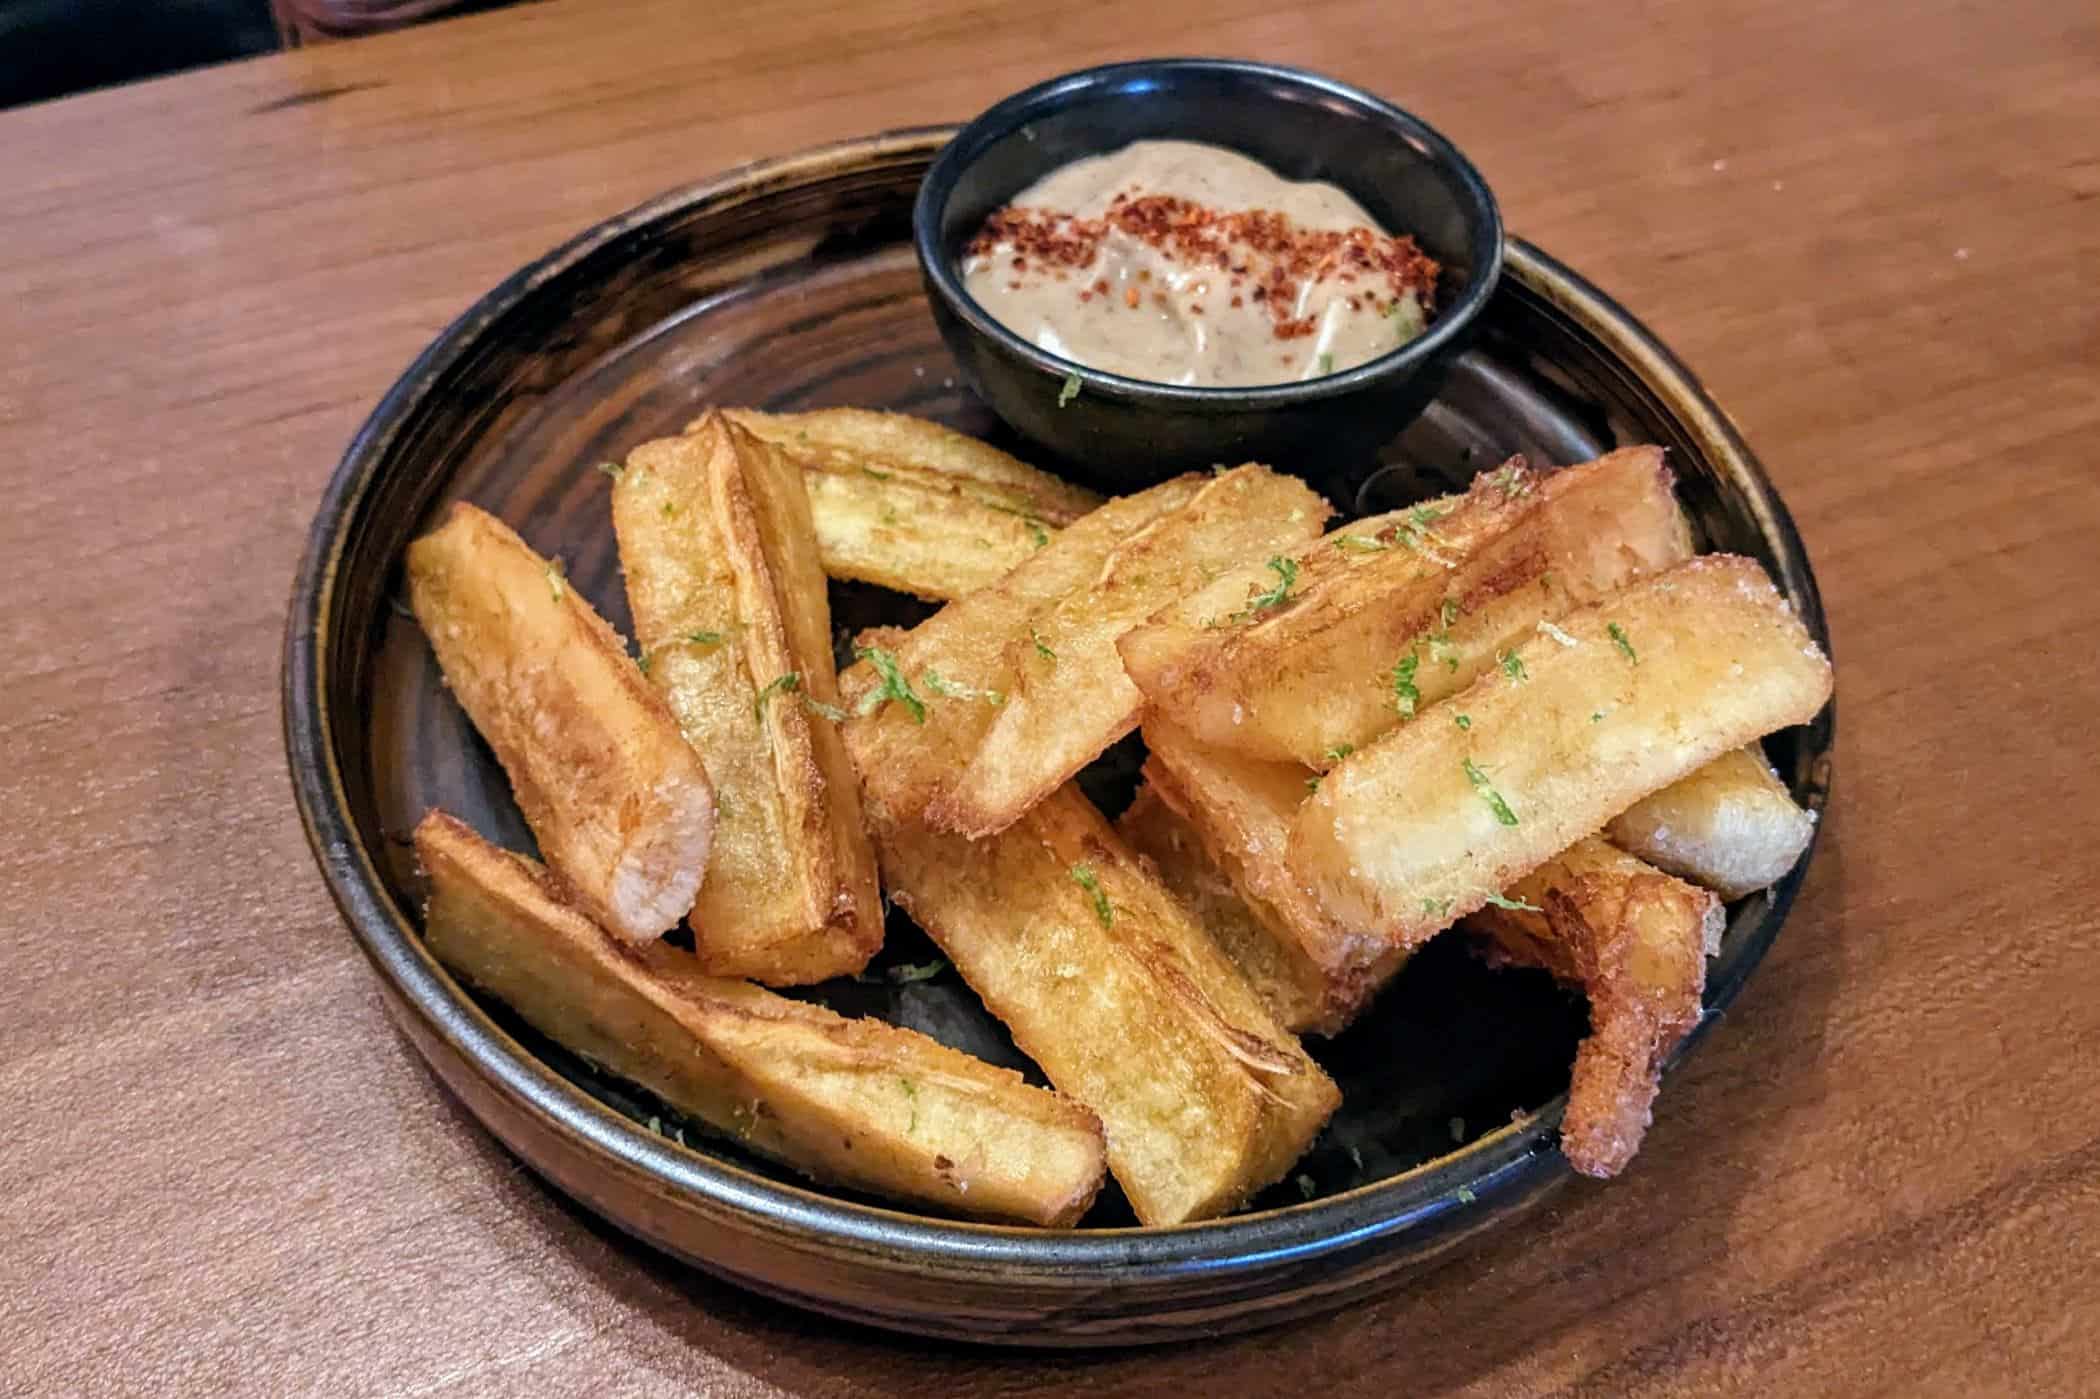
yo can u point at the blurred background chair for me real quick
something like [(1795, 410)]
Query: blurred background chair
[(49, 48)]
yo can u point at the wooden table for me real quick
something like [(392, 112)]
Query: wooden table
[(1874, 228)]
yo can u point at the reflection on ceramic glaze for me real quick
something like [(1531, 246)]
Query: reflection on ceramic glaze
[(1184, 263)]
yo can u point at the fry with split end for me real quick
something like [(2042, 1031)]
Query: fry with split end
[(1659, 680), (730, 612), (1732, 826), (1410, 608), (619, 803), (1106, 981), (853, 1102), (1043, 640), (1241, 811), (1635, 941), (1287, 981), (914, 506)]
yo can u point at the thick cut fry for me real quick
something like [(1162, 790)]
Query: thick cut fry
[(1411, 607), (915, 506), (855, 1102), (1280, 973), (618, 801), (730, 612), (1241, 811), (1635, 941), (1732, 826), (1108, 984), (1628, 696), (1042, 642)]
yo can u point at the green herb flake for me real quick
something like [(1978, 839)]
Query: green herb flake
[(1339, 752), (1489, 795), (911, 1093), (785, 683), (1307, 1186), (893, 687), (670, 508), (1040, 649), (1286, 571), (878, 475), (1036, 532), (1447, 613), (1326, 364), (641, 663), (1360, 544), (1618, 639), (1464, 721), (905, 973), (1070, 390), (1596, 716), (1436, 908), (1312, 784), (703, 638), (1513, 666), (1516, 905), (1084, 877), (1405, 694), (612, 469), (557, 578), (1512, 480)]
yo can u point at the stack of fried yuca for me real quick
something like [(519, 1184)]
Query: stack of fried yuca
[(706, 779), (1464, 696), (1526, 708)]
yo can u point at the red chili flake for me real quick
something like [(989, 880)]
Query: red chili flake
[(1130, 298), (1239, 300), (1259, 243), (1195, 308)]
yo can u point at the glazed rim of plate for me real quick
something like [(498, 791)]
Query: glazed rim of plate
[(1471, 1176)]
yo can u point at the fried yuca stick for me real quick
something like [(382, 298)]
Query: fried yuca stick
[(619, 803), (856, 1102), (1106, 981), (730, 611), (1732, 826), (1626, 697), (1241, 811), (1410, 608), (1635, 941), (1042, 642), (1287, 981), (915, 506)]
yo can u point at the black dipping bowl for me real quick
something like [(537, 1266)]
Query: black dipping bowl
[(1125, 432)]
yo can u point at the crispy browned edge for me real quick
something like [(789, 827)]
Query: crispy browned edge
[(1635, 941), (621, 756), (736, 1056)]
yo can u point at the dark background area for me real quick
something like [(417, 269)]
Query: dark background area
[(49, 48)]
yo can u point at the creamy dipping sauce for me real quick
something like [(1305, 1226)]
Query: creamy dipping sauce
[(1184, 263)]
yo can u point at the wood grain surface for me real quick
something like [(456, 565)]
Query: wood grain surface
[(1874, 228)]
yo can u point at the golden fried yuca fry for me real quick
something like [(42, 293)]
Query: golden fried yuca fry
[(1627, 696), (1042, 641), (1059, 717), (1732, 826), (1412, 607), (619, 803), (729, 608), (1241, 810), (1280, 973), (1635, 940), (1107, 983), (857, 1102), (915, 506)]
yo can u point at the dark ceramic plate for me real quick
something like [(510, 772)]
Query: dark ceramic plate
[(792, 284)]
